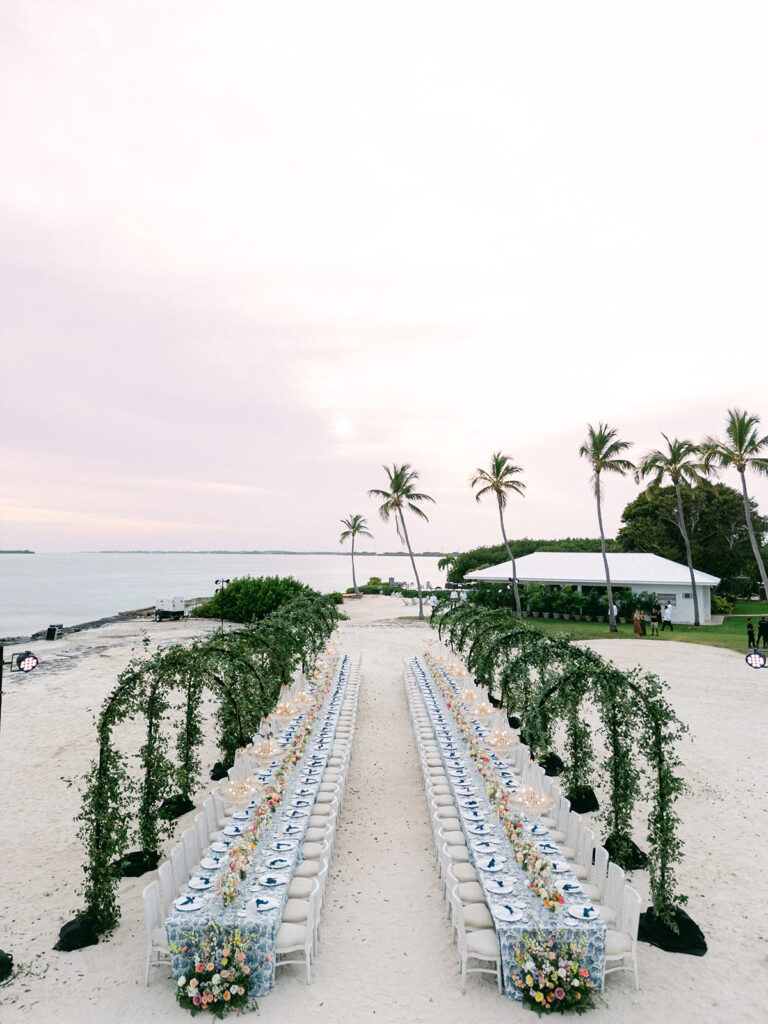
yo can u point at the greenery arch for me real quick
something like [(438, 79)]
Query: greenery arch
[(547, 680), (245, 669)]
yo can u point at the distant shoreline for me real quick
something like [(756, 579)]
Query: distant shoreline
[(340, 554)]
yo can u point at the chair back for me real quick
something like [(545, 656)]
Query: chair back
[(179, 867), (203, 832), (167, 893), (613, 893), (191, 844), (600, 869), (629, 919), (210, 815), (153, 916)]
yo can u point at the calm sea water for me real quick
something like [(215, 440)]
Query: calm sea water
[(37, 590)]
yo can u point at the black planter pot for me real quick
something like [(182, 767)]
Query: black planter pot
[(634, 859), (583, 800), (514, 723), (689, 938), (552, 764), (219, 771), (76, 934), (175, 806), (137, 863), (6, 964)]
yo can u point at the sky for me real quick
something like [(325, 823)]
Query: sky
[(252, 252)]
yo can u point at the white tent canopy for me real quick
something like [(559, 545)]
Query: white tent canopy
[(670, 581)]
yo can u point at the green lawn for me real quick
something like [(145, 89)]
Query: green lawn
[(750, 608), (732, 634)]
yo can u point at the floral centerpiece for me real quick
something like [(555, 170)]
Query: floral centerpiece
[(551, 977), (220, 980)]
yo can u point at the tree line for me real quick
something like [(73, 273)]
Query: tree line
[(699, 513)]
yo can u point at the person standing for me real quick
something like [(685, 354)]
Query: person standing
[(762, 631), (666, 617), (655, 616), (636, 620), (643, 631), (750, 635), (462, 596)]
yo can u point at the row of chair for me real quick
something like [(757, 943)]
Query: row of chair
[(465, 899), (175, 873), (602, 881), (299, 933)]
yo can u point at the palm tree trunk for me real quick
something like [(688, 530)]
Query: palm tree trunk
[(413, 564), (751, 531), (518, 609), (611, 615), (686, 541), (354, 581)]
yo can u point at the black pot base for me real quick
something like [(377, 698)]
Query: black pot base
[(175, 806), (583, 800), (137, 863), (76, 934), (689, 938), (634, 859)]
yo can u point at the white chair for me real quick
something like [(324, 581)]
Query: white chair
[(298, 938), (191, 844), (621, 944), (203, 834), (157, 945), (481, 946), (594, 888)]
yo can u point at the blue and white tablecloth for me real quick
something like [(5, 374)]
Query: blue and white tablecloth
[(481, 824), (289, 824)]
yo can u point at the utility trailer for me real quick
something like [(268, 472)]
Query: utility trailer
[(169, 608)]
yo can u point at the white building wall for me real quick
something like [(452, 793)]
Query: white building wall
[(682, 601)]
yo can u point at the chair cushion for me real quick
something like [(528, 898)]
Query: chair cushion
[(321, 800), (444, 800), (592, 891), (579, 870), (290, 936), (434, 762), (307, 869), (441, 790), (617, 943), (463, 872), (300, 888), (321, 808), (334, 762), (459, 853), (567, 852), (454, 837), (470, 892), (607, 913), (296, 911), (311, 851), (328, 787), (483, 944), (448, 813), (477, 915), (315, 834)]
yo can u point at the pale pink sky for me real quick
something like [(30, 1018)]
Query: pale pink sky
[(252, 251)]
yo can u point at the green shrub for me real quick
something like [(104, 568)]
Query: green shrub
[(720, 606), (249, 599), (337, 597)]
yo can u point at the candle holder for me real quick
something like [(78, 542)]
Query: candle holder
[(530, 802), (502, 741), (240, 792)]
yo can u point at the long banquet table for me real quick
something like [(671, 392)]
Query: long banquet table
[(481, 824), (288, 826)]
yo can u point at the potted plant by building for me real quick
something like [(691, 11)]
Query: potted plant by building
[(625, 601), (537, 599), (548, 599)]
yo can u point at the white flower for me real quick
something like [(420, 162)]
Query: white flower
[(181, 982), (561, 972), (233, 989), (216, 979)]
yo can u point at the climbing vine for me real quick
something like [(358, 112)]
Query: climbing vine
[(245, 670), (545, 680)]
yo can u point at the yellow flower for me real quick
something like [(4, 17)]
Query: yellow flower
[(528, 980), (538, 996)]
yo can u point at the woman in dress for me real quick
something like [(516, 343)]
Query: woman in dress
[(638, 626)]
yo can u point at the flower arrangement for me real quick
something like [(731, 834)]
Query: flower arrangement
[(220, 980), (551, 977)]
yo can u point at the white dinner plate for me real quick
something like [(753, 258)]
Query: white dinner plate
[(491, 863), (478, 828), (300, 802), (547, 848), (505, 912), (278, 863), (261, 903), (470, 814), (272, 880), (189, 903), (582, 913), (486, 846), (304, 791), (219, 847), (559, 867), (501, 886), (201, 882), (296, 812), (233, 830), (283, 844), (210, 864), (470, 802), (241, 816), (570, 888), (539, 830), (292, 830)]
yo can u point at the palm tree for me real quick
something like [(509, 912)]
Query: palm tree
[(743, 449), (500, 481), (400, 496), (682, 464), (601, 449), (447, 562), (356, 526)]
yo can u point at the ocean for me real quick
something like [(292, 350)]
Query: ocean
[(42, 589)]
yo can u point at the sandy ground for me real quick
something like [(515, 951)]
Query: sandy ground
[(386, 953)]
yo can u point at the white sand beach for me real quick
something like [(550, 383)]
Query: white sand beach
[(386, 953)]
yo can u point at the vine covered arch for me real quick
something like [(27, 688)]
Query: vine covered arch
[(244, 670), (547, 680)]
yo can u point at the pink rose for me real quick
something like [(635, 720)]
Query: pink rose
[(559, 993)]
